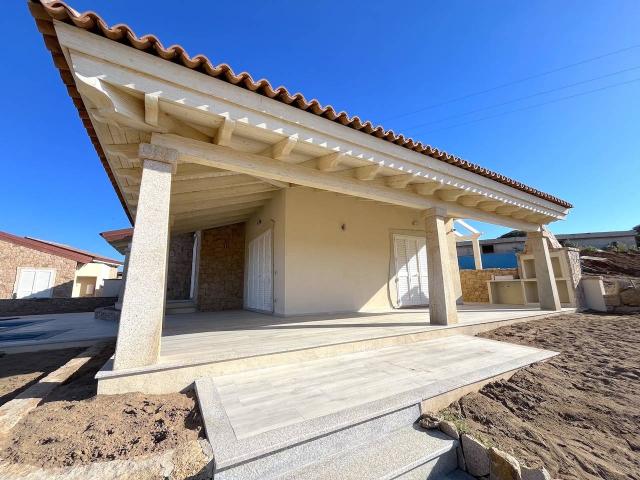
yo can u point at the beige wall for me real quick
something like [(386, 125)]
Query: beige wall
[(99, 271), (318, 266)]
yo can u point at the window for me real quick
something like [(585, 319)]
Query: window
[(487, 248), (35, 283)]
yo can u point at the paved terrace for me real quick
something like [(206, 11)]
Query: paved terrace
[(219, 336)]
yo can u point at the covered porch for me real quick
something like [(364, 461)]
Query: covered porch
[(329, 214), (195, 345)]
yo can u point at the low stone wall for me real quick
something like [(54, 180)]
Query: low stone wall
[(480, 461), (622, 295), (474, 283), (38, 306)]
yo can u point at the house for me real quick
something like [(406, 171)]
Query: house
[(303, 242), (501, 252), (600, 240), (291, 208), (34, 268)]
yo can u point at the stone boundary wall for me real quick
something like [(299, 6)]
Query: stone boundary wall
[(474, 283), (622, 295), (38, 306)]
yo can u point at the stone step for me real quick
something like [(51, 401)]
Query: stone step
[(278, 451), (408, 453), (175, 307)]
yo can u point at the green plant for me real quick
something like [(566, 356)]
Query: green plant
[(589, 250)]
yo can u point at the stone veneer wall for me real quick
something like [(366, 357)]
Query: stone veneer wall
[(13, 256), (179, 268), (221, 271), (474, 283)]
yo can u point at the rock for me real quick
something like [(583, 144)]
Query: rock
[(503, 466), (631, 297), (429, 421), (448, 428), (529, 473), (476, 456), (462, 465)]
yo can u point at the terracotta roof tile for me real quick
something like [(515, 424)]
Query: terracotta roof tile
[(44, 12), (58, 249)]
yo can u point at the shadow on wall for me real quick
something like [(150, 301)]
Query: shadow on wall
[(61, 290)]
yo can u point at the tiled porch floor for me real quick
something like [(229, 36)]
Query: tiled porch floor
[(219, 336)]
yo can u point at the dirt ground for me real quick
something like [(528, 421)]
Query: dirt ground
[(615, 264), (578, 413), (74, 426), (21, 370)]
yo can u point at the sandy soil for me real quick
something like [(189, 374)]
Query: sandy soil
[(74, 426), (20, 370), (579, 413), (616, 264)]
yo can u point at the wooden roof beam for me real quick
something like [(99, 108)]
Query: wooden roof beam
[(225, 132), (328, 163), (367, 172), (428, 188), (252, 164), (282, 149), (400, 181), (186, 207), (450, 195)]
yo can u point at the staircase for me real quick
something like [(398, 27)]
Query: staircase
[(374, 441), (180, 306)]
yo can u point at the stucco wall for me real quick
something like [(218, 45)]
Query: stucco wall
[(100, 271), (13, 256), (474, 283), (331, 269), (221, 271), (179, 266)]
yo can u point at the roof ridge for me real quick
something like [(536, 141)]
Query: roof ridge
[(149, 43)]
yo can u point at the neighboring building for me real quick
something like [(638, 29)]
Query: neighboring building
[(33, 268), (516, 244)]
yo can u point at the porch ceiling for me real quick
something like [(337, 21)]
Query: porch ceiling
[(238, 148)]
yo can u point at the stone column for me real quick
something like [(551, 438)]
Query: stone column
[(143, 305), (546, 280), (125, 268), (477, 253), (442, 303), (453, 260)]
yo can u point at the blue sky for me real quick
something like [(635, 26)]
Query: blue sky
[(380, 61)]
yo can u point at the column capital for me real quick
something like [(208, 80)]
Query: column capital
[(157, 153), (434, 212)]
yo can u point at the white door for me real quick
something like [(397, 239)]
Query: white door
[(260, 274), (35, 283), (412, 284)]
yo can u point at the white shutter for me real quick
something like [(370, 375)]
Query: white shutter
[(402, 274), (411, 270), (260, 274), (25, 283), (424, 276), (35, 283)]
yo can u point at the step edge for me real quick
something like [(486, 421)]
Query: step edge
[(450, 446), (347, 418)]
